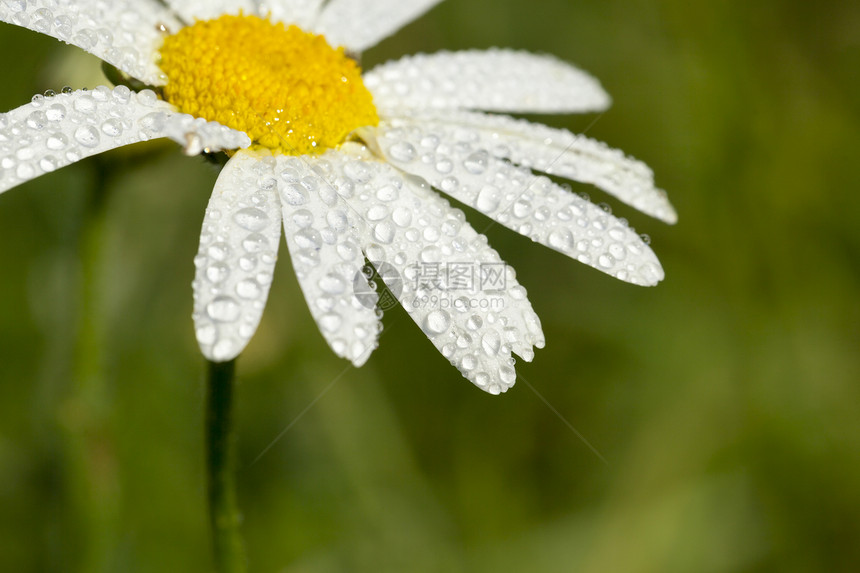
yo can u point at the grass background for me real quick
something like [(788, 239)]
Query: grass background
[(726, 400)]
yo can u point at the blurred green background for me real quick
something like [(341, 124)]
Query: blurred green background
[(725, 401)]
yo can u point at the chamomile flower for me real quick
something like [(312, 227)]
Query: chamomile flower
[(350, 165)]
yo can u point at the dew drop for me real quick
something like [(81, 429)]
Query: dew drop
[(308, 238), (112, 127), (605, 261), (449, 184), (491, 342), (49, 163), (87, 136), (37, 120), (468, 363), (218, 251), (402, 151), (223, 350), (217, 272), (377, 212), (147, 98), (332, 284), (251, 218), (402, 216), (254, 243), (476, 163), (85, 104), (436, 322), (206, 334), (223, 309), (247, 263), (294, 194), (488, 199), (618, 251), (384, 232), (507, 374), (347, 251), (431, 234), (330, 321), (248, 289), (560, 239), (474, 322), (55, 112)]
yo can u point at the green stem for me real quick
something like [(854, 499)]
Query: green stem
[(224, 514), (93, 483)]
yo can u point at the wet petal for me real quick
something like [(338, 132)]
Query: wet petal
[(302, 13), (360, 24), (492, 80), (453, 285), (322, 235), (191, 10), (554, 151), (532, 205), (238, 250), (52, 132), (124, 33)]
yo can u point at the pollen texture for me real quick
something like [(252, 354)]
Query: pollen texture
[(287, 89)]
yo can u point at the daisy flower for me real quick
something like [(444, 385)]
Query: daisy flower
[(350, 165)]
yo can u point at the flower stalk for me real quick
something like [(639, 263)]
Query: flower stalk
[(85, 414), (224, 516)]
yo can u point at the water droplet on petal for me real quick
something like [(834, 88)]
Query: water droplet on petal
[(112, 127), (468, 363), (251, 218), (402, 216), (332, 284), (217, 272), (488, 199), (56, 141), (507, 374), (476, 163), (330, 321), (308, 238), (436, 322), (206, 334), (384, 232), (491, 342), (223, 309), (377, 212), (474, 322), (87, 136), (248, 289), (294, 194), (85, 104), (402, 151)]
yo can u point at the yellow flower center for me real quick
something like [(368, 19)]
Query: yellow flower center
[(287, 89)]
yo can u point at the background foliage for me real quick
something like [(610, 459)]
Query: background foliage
[(725, 401)]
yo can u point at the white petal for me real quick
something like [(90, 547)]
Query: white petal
[(452, 284), (52, 132), (360, 24), (123, 33), (321, 234), (493, 80), (302, 13), (191, 10), (532, 205), (238, 250), (557, 152)]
